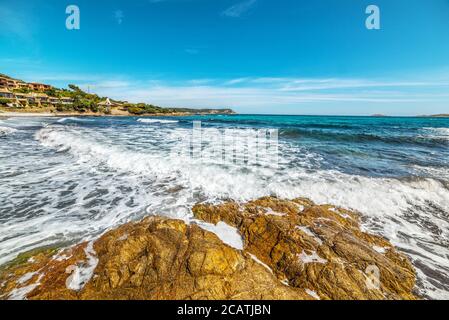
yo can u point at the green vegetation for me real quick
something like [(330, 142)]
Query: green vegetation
[(142, 108), (4, 101), (22, 90), (24, 257)]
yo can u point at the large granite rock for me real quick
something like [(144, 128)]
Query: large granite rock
[(293, 250), (153, 259), (319, 248)]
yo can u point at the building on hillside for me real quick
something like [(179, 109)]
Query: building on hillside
[(31, 99), (53, 100), (21, 98), (6, 94), (9, 83), (22, 85), (41, 98), (6, 82), (39, 86), (66, 100), (3, 82)]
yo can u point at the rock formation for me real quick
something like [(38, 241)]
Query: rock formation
[(293, 250), (319, 248)]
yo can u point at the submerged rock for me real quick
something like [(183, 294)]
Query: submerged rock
[(292, 250)]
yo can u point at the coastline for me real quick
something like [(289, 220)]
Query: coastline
[(75, 114)]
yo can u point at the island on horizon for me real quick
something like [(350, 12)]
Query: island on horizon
[(18, 96)]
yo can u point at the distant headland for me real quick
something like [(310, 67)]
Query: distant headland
[(443, 115), (17, 96)]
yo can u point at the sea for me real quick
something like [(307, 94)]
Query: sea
[(65, 180)]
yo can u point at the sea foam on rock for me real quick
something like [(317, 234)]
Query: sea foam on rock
[(161, 258)]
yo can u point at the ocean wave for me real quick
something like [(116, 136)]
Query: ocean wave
[(440, 133), (7, 130), (143, 120), (75, 119), (361, 137)]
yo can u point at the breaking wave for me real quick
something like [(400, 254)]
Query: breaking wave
[(74, 119), (7, 130), (157, 121)]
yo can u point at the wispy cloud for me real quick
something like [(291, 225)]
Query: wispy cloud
[(261, 93), (239, 9)]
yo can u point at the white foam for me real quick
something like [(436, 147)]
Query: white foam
[(311, 258), (260, 262), (79, 119), (309, 232), (225, 232), (82, 274), (26, 277), (7, 130), (438, 132), (343, 215), (381, 250), (313, 294), (21, 292), (156, 121), (270, 212)]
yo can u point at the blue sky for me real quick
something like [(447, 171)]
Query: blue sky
[(256, 56)]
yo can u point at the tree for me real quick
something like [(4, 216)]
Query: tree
[(75, 88), (4, 101)]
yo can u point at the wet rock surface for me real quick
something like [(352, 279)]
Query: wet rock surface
[(317, 247), (292, 250)]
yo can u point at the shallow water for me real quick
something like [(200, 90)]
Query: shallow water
[(67, 179)]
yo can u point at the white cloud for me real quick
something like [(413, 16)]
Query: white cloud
[(239, 9)]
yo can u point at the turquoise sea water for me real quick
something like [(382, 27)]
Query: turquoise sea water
[(67, 179)]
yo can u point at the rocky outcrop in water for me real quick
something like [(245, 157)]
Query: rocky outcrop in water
[(317, 247), (292, 250)]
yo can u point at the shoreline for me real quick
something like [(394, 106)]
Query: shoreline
[(57, 115)]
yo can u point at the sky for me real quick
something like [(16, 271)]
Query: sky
[(255, 56)]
